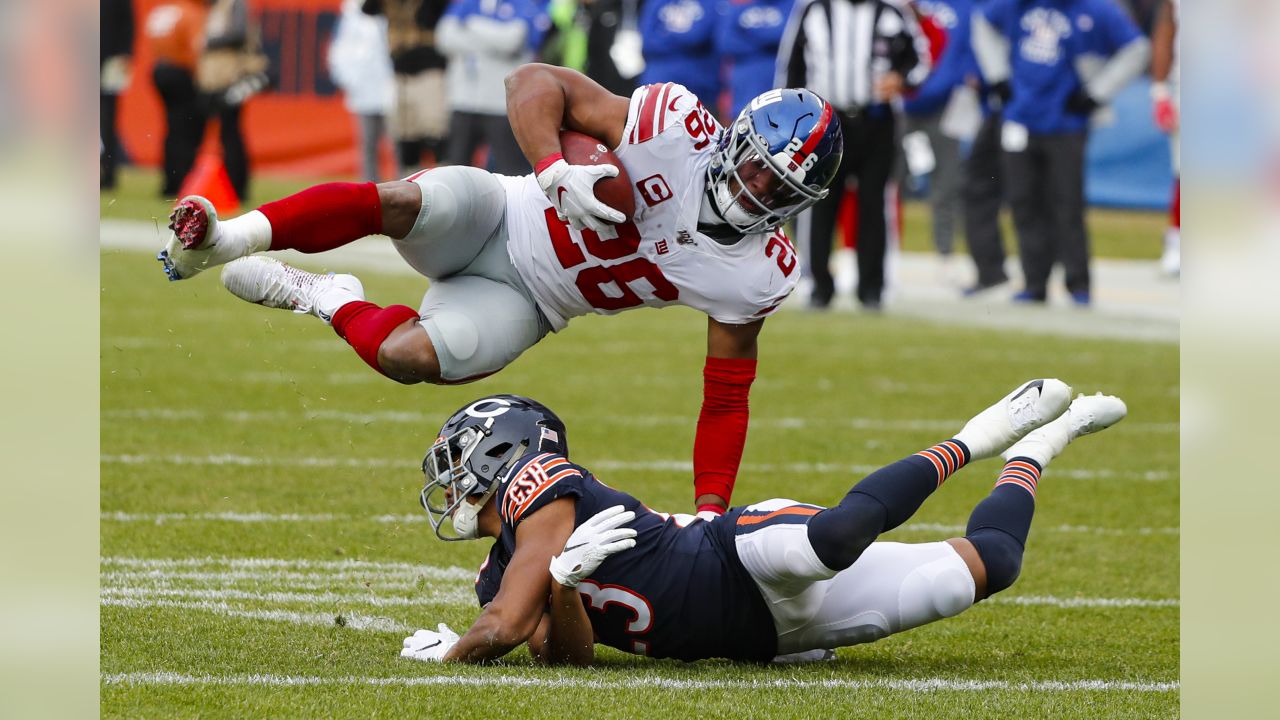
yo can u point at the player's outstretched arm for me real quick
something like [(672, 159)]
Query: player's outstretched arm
[(516, 611), (722, 425)]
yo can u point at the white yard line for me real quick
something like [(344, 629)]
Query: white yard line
[(147, 582), (430, 572), (676, 421), (667, 465), (920, 685), (261, 517), (427, 596), (132, 596), (356, 622), (1069, 603)]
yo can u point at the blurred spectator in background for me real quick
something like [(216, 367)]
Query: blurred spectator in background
[(615, 54), (1062, 60), (1164, 97), (679, 46), (419, 119), (748, 33), (485, 40), (231, 68), (983, 191), (923, 114), (360, 64), (859, 55), (175, 33), (115, 51)]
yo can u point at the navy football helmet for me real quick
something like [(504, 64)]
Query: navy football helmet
[(775, 160), (473, 451)]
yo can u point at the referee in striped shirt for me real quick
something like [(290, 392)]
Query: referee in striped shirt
[(859, 55)]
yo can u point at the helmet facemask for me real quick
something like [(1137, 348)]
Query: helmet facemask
[(752, 190), (452, 491)]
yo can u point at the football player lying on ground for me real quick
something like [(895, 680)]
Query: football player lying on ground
[(505, 255), (577, 562)]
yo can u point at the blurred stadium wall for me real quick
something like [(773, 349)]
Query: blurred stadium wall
[(298, 126)]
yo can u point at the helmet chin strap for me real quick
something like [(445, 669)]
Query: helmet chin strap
[(466, 523), (466, 519)]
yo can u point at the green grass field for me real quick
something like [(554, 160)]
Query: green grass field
[(263, 552)]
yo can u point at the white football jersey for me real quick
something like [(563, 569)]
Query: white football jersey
[(658, 257)]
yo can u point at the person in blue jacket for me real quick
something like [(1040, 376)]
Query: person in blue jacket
[(747, 37), (679, 46), (925, 109), (1059, 61)]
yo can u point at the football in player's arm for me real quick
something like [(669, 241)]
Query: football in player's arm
[(513, 258), (576, 562)]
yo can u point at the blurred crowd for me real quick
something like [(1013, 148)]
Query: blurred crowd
[(977, 105)]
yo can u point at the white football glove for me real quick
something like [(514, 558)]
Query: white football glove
[(570, 188), (594, 540), (429, 646)]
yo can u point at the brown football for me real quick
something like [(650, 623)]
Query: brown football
[(616, 192)]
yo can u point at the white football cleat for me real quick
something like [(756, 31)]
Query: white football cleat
[(197, 242), (266, 281), (1028, 407), (1087, 414)]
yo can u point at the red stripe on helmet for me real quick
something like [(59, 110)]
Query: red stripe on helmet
[(815, 136)]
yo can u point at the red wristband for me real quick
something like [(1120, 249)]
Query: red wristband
[(547, 162)]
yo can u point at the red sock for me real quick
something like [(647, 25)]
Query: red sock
[(324, 217), (365, 326), (1175, 207)]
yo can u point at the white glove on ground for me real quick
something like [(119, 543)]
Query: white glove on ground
[(570, 190), (594, 540), (429, 646)]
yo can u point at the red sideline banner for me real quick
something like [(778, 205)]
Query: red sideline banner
[(297, 126)]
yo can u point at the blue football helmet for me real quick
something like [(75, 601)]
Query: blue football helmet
[(775, 160), (473, 451)]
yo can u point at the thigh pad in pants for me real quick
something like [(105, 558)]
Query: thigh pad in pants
[(463, 209), (478, 325), (892, 587)]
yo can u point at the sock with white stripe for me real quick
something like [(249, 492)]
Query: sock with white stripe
[(999, 525)]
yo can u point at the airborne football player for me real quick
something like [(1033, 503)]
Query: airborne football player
[(513, 258)]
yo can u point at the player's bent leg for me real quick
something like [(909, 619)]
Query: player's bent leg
[(456, 211), (888, 497), (891, 588)]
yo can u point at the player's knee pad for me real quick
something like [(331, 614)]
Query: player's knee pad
[(893, 587), (477, 326), (840, 534), (1001, 554), (939, 589)]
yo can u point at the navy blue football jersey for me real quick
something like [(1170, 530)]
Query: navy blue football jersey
[(681, 592)]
